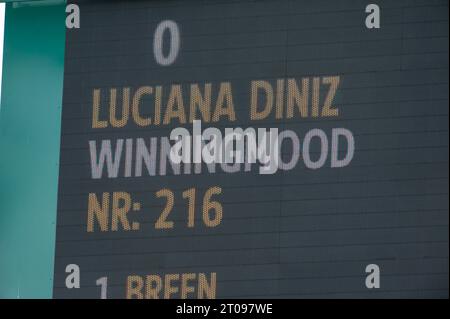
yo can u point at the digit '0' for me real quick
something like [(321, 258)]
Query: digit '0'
[(174, 42)]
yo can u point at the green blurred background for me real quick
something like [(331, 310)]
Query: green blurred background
[(30, 112)]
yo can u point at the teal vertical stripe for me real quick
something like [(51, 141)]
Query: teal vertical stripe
[(30, 120)]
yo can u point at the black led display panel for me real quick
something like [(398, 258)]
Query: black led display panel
[(354, 203)]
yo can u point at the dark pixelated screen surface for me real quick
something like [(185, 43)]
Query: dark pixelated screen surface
[(364, 173)]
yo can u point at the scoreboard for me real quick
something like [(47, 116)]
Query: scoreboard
[(351, 199)]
